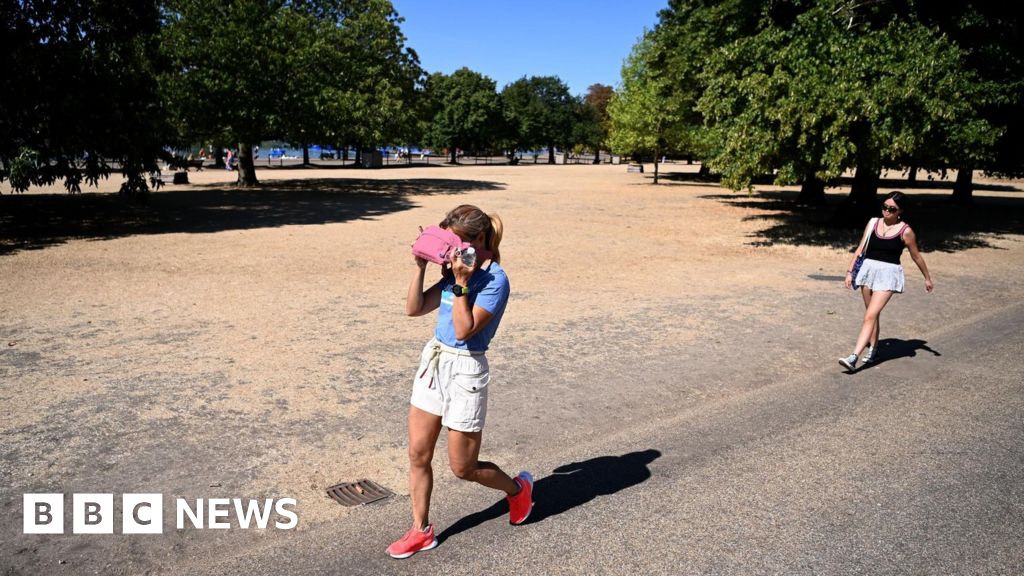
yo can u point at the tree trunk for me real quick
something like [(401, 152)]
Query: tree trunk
[(218, 158), (704, 171), (344, 154), (359, 155), (862, 203), (912, 175), (551, 154), (812, 191), (305, 154), (246, 168), (597, 156), (963, 190), (454, 150)]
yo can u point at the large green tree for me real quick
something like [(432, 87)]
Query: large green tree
[(595, 109), (230, 65), (540, 112), (829, 94), (645, 120), (464, 111), (79, 92)]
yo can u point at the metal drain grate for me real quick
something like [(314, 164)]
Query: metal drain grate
[(356, 493)]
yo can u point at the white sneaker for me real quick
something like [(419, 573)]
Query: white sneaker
[(850, 362), (869, 355)]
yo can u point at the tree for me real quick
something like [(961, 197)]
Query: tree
[(81, 93), (587, 129), (596, 101), (989, 33), (540, 112), (644, 120), (354, 81), (230, 64), (688, 31), (464, 110), (828, 95)]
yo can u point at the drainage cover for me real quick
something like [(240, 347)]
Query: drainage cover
[(356, 493)]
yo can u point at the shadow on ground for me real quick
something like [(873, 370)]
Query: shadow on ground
[(37, 221), (893, 349), (570, 486), (940, 225)]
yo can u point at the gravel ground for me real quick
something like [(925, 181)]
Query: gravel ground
[(252, 343)]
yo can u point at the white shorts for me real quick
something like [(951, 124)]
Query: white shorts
[(880, 276), (452, 383)]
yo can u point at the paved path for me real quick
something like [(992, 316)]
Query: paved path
[(915, 466)]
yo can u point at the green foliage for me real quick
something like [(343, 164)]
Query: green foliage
[(80, 93), (230, 65), (807, 89), (539, 111), (331, 71), (822, 97), (644, 118), (464, 110)]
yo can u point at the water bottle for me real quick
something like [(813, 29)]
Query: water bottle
[(468, 256)]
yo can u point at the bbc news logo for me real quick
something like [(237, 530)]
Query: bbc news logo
[(144, 513)]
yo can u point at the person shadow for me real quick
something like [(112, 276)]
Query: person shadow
[(893, 349), (567, 487)]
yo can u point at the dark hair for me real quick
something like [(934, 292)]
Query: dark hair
[(898, 198), (471, 221)]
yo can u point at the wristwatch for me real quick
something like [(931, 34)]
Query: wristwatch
[(459, 290)]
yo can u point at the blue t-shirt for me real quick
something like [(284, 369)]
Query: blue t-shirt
[(488, 289)]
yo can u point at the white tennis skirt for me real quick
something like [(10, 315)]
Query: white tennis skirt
[(880, 276)]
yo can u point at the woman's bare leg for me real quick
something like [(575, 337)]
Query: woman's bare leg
[(866, 293), (870, 327), (463, 454), (424, 428)]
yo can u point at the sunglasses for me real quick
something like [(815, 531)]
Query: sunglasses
[(890, 209)]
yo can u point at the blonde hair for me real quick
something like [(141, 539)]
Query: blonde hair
[(472, 221)]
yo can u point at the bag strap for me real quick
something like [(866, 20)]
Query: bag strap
[(867, 235)]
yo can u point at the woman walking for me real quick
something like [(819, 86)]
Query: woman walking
[(880, 275), (451, 384)]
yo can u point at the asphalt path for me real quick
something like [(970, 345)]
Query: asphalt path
[(912, 466)]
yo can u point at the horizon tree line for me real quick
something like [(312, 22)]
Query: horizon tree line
[(117, 84)]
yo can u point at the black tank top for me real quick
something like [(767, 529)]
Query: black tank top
[(886, 249)]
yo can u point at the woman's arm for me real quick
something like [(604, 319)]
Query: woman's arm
[(467, 320), (910, 239), (860, 246), (418, 301)]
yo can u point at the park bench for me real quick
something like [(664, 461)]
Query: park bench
[(635, 168)]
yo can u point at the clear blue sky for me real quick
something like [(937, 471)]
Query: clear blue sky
[(582, 42)]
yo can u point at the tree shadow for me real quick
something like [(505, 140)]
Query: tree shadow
[(940, 225), (569, 486), (893, 349), (34, 221)]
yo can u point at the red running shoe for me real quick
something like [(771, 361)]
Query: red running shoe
[(519, 506), (415, 540)]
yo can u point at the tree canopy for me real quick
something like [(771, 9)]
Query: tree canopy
[(79, 94), (540, 112), (463, 111), (808, 89)]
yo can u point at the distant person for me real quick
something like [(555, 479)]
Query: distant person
[(880, 276), (452, 382), (228, 163)]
